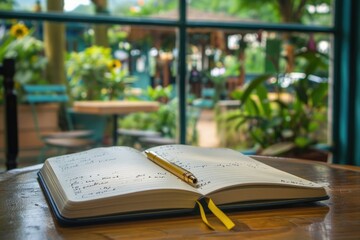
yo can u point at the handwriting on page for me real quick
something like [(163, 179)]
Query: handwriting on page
[(216, 168), (106, 171), (90, 186), (205, 158), (83, 159)]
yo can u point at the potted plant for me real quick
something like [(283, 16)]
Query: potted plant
[(284, 121), (95, 75)]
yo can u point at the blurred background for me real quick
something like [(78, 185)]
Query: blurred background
[(260, 77)]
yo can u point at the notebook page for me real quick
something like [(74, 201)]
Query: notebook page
[(103, 172), (217, 168)]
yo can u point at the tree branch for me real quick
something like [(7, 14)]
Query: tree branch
[(299, 10)]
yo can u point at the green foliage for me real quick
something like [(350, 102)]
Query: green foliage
[(163, 120), (166, 119), (232, 66), (267, 10), (28, 53), (116, 35), (285, 119), (95, 75), (6, 4), (30, 62), (256, 61), (160, 93), (151, 7)]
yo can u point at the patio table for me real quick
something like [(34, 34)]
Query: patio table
[(114, 108)]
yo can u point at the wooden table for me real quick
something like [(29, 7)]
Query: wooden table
[(24, 212), (114, 108)]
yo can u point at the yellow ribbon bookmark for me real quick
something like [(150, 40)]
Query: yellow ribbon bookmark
[(203, 216), (229, 224)]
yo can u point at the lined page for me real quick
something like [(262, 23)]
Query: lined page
[(217, 168), (110, 171)]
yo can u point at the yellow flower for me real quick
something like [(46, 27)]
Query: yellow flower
[(114, 64), (104, 91), (34, 59), (19, 30)]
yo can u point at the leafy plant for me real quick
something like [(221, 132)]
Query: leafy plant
[(283, 120), (165, 119), (95, 75), (28, 52), (232, 66), (160, 93)]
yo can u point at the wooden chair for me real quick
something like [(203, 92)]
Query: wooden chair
[(69, 140)]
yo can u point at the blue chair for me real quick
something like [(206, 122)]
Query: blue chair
[(70, 140), (97, 124)]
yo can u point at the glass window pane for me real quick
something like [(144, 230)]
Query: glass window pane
[(133, 63), (220, 64), (267, 11), (290, 101)]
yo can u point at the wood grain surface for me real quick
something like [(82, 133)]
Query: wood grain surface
[(25, 214)]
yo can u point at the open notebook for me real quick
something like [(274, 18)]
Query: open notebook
[(120, 182)]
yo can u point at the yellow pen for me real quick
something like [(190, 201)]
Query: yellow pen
[(178, 171)]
